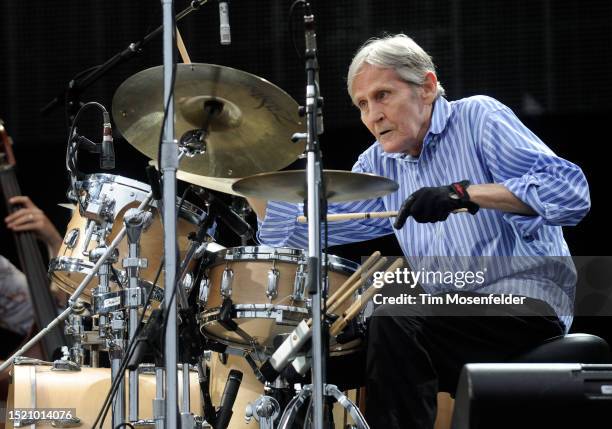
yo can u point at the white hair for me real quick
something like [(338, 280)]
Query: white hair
[(398, 52)]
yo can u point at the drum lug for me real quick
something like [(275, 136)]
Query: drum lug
[(272, 289), (204, 290), (72, 238), (299, 284), (226, 282), (187, 282)]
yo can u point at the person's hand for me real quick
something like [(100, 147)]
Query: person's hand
[(434, 204), (31, 218)]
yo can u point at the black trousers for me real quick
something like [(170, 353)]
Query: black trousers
[(413, 351)]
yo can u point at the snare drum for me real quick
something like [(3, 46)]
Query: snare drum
[(84, 391), (267, 288), (72, 264)]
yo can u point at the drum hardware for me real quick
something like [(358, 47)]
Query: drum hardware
[(265, 410), (331, 391), (204, 291), (74, 329), (135, 222), (226, 282), (272, 288), (226, 316), (299, 284), (64, 363), (219, 209)]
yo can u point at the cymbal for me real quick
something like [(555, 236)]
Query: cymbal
[(221, 184), (291, 186), (251, 134)]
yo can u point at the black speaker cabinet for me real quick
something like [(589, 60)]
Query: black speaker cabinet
[(542, 396)]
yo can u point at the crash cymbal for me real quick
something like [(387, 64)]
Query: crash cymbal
[(251, 134), (221, 184), (291, 186)]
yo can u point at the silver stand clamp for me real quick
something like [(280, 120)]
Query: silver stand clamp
[(265, 410)]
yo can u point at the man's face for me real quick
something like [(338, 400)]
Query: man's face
[(398, 114)]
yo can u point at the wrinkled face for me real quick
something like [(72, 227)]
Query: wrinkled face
[(398, 114)]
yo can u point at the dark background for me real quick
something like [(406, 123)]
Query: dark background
[(548, 60)]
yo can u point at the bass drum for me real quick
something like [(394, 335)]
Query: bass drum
[(39, 386), (251, 389)]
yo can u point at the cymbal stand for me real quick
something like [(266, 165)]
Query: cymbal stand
[(108, 306), (316, 210), (136, 221), (168, 165)]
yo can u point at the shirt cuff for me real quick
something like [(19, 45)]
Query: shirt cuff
[(525, 188)]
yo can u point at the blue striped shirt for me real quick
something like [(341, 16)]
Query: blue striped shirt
[(479, 139)]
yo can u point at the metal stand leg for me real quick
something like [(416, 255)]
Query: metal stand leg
[(158, 402), (135, 222), (288, 417)]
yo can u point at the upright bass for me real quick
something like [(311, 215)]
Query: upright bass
[(29, 253)]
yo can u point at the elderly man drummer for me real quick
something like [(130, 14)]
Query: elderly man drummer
[(472, 154)]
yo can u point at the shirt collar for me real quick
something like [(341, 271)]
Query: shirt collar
[(439, 119)]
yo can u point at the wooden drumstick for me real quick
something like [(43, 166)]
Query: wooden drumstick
[(340, 291), (370, 215), (360, 303), (373, 257), (351, 216), (349, 291), (181, 48)]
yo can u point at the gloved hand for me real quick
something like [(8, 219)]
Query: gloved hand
[(433, 204)]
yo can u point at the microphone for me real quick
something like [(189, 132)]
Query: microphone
[(310, 37), (224, 26), (238, 225), (107, 159), (286, 352), (228, 398)]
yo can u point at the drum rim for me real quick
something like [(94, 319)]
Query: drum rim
[(188, 211), (86, 267), (283, 254)]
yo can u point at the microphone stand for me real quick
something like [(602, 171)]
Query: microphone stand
[(168, 165), (317, 208), (75, 86)]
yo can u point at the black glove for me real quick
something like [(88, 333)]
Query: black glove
[(433, 204)]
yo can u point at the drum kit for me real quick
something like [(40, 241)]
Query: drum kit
[(245, 313)]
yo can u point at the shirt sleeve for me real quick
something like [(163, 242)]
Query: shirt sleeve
[(281, 228), (16, 313), (553, 187)]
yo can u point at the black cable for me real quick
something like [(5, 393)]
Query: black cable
[(291, 32), (71, 147), (124, 424)]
